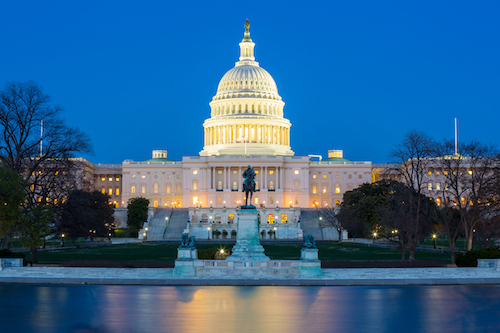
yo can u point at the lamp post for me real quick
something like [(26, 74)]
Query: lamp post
[(374, 236), (275, 232), (62, 242), (208, 233), (434, 236)]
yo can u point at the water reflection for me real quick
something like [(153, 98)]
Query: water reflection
[(39, 308)]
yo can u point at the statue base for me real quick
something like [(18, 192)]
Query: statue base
[(248, 246)]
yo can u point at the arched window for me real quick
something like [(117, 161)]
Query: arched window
[(217, 218), (337, 188), (155, 203), (219, 200), (132, 189), (155, 188), (271, 200), (110, 191), (235, 185), (296, 185), (270, 218), (103, 190), (195, 185), (256, 200), (168, 188), (219, 185), (195, 200), (256, 185), (204, 218), (230, 218), (284, 218), (337, 203), (271, 185)]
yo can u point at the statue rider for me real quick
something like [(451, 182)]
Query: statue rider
[(249, 183)]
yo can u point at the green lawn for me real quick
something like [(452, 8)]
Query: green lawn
[(145, 252)]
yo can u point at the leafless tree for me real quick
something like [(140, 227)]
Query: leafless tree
[(328, 219), (468, 174), (45, 158), (411, 159)]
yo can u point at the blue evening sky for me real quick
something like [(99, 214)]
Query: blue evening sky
[(355, 75)]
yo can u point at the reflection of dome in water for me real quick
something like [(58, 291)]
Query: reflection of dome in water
[(247, 111)]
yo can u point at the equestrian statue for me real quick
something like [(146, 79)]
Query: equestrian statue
[(249, 185)]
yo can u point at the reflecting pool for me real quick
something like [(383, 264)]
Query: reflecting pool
[(72, 308)]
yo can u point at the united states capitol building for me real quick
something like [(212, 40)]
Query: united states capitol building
[(247, 126)]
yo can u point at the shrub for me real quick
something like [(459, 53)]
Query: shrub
[(207, 254), (120, 233), (469, 259), (10, 254)]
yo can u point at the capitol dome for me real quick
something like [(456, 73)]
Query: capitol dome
[(247, 111)]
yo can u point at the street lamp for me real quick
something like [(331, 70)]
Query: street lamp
[(434, 236), (374, 236), (274, 232), (208, 233)]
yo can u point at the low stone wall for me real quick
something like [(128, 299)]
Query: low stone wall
[(489, 263), (248, 268), (10, 262)]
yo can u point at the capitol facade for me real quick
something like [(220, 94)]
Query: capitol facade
[(247, 127)]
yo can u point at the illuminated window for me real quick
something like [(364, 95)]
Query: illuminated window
[(270, 218), (234, 200), (271, 185), (178, 176), (429, 186), (143, 176), (168, 189), (219, 172), (195, 200), (132, 189), (296, 172), (155, 203), (470, 172), (155, 188), (429, 172), (337, 203), (256, 185), (256, 172), (168, 176), (219, 199), (204, 217), (217, 218), (438, 172), (256, 201), (324, 176), (219, 185), (110, 191), (284, 218), (110, 179), (314, 189), (32, 187), (103, 190), (438, 186), (230, 218), (143, 189), (39, 199), (235, 172), (438, 201), (195, 172), (337, 188), (324, 189), (117, 179), (103, 179), (195, 185), (271, 172), (117, 191), (55, 201), (445, 172), (314, 176), (235, 185), (133, 176), (463, 201)]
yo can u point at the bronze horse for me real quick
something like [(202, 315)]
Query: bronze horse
[(249, 184)]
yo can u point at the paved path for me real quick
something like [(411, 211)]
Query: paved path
[(332, 277)]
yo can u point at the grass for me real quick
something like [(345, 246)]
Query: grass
[(157, 254)]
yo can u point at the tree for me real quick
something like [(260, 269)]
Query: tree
[(411, 159), (12, 196), (34, 226), (468, 171), (328, 218), (41, 154), (87, 214), (137, 213)]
